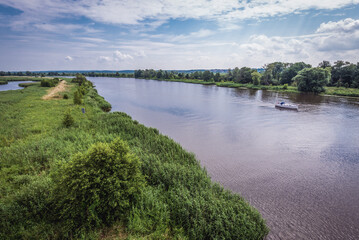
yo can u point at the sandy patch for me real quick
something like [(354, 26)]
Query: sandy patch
[(54, 92)]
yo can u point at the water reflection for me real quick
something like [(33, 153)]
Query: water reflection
[(299, 169)]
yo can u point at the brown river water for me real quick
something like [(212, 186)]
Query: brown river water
[(299, 169)]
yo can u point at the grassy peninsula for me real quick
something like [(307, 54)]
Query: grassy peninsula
[(57, 168)]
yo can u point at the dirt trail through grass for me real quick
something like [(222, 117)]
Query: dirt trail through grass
[(53, 92)]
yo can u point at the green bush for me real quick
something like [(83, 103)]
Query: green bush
[(78, 98), (97, 100), (49, 82), (98, 187), (285, 86), (24, 214), (81, 80), (68, 120)]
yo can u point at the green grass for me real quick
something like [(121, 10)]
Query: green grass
[(22, 78), (179, 202), (342, 91)]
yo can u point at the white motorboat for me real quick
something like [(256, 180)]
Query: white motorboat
[(286, 106)]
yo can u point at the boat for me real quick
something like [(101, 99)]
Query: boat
[(286, 106)]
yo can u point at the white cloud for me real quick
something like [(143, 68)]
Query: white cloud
[(104, 59), (57, 27), (339, 36), (348, 25), (91, 39), (140, 54), (68, 58), (119, 56), (157, 12), (202, 33), (332, 41)]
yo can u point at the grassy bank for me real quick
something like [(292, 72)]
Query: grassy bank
[(29, 84), (178, 200), (342, 91), (22, 78), (349, 92)]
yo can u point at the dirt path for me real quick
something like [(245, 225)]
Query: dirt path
[(53, 92)]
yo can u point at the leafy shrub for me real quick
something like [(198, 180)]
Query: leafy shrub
[(97, 188), (24, 214), (81, 80), (78, 98), (49, 82), (68, 120), (98, 100), (285, 86)]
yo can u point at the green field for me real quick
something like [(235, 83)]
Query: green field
[(39, 170), (21, 78), (342, 91)]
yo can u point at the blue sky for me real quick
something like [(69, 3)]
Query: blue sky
[(170, 34)]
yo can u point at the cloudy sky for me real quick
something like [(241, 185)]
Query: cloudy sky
[(174, 34)]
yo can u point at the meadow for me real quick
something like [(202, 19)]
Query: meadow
[(58, 159)]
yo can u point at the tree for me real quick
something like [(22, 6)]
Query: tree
[(138, 73), (206, 75), (267, 77), (324, 64), (312, 79), (80, 79), (217, 77), (290, 72), (344, 74), (159, 74), (229, 75), (235, 73), (97, 188), (245, 75), (256, 78), (273, 72)]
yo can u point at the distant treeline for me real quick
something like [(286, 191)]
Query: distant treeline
[(88, 74), (340, 74)]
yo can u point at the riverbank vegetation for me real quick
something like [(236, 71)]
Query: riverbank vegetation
[(278, 76), (21, 78), (68, 173), (28, 84), (341, 78)]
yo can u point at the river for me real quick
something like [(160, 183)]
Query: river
[(13, 85), (299, 169)]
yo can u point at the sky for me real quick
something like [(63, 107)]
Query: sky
[(49, 35)]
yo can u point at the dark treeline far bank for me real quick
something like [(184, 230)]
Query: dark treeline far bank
[(126, 74), (304, 77), (65, 174), (301, 75)]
